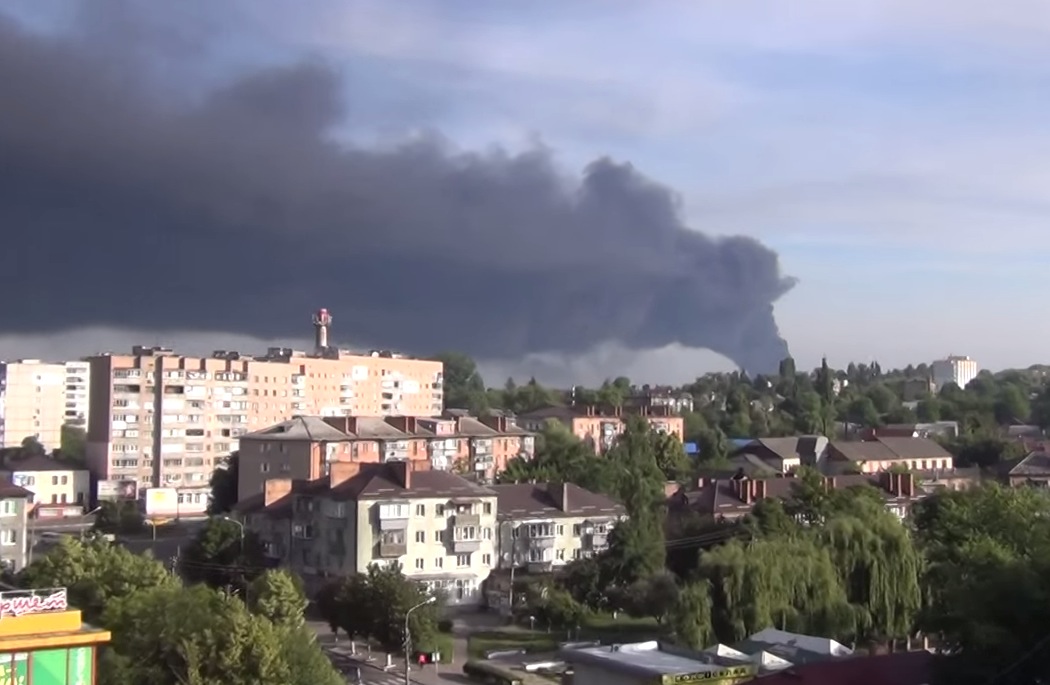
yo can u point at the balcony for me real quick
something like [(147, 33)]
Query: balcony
[(540, 566), (597, 540), (393, 516), (461, 520), (466, 546), (389, 550), (542, 543)]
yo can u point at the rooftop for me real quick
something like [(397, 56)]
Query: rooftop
[(644, 659), (350, 428), (539, 500)]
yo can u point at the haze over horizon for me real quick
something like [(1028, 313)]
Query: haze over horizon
[(205, 176)]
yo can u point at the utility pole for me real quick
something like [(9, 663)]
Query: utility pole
[(408, 638)]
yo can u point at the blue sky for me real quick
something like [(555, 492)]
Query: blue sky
[(893, 152)]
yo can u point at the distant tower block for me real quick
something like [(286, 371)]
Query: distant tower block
[(322, 321)]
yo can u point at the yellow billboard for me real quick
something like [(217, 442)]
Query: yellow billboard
[(161, 501), (724, 676)]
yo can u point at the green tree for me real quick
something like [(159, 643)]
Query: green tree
[(670, 456), (278, 595), (374, 605), (119, 517), (559, 609), (223, 483), (95, 573), (690, 619), (73, 444), (222, 555), (31, 446), (464, 387), (562, 457)]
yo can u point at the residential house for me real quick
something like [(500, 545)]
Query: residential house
[(15, 502), (783, 455), (600, 427), (872, 456), (438, 526), (546, 525), (733, 498), (1032, 470), (660, 396), (305, 447), (59, 489)]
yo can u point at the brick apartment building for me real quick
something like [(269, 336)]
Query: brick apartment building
[(306, 447), (166, 420), (599, 426)]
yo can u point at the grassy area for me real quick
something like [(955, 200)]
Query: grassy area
[(601, 627)]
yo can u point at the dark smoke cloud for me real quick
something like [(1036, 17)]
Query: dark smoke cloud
[(121, 208)]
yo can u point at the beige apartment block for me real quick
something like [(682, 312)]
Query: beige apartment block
[(600, 426), (305, 447), (546, 525), (165, 420), (78, 397), (32, 402), (438, 526)]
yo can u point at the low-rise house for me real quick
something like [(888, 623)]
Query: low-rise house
[(880, 454), (438, 526), (935, 429), (304, 447), (660, 396), (600, 427), (732, 499), (15, 502), (784, 455), (58, 489), (543, 526), (1031, 470)]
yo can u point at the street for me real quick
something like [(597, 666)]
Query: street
[(43, 535)]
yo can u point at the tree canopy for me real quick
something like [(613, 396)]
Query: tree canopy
[(165, 633)]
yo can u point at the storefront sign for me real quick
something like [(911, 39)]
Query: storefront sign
[(22, 602), (726, 676)]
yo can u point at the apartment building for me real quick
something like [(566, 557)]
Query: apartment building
[(164, 419), (15, 502), (58, 489), (78, 398), (546, 525), (438, 526), (305, 447), (598, 426), (955, 369), (32, 402)]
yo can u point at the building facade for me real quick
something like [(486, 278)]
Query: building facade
[(58, 489), (32, 402), (43, 639), (543, 526), (438, 526), (78, 393), (954, 369), (600, 427), (15, 502), (304, 447), (164, 420)]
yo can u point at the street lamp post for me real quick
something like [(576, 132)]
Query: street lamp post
[(408, 636), (93, 511), (239, 525)]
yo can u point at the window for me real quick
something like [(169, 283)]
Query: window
[(559, 555), (421, 510), (487, 507), (419, 564), (8, 537), (264, 467), (516, 532), (439, 536), (462, 560), (561, 529), (54, 480), (576, 530), (439, 510), (65, 480), (486, 533), (466, 533), (54, 498), (421, 536), (393, 511), (64, 499), (486, 559), (439, 562)]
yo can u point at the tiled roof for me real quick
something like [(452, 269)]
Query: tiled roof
[(902, 668), (1034, 464), (299, 428), (890, 448), (9, 490), (535, 500)]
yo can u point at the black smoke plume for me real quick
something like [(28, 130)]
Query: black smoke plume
[(237, 212)]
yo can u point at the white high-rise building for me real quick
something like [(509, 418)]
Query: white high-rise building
[(32, 399), (78, 387), (954, 369)]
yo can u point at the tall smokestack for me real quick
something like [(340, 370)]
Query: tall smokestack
[(322, 320)]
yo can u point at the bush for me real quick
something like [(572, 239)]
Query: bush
[(445, 625)]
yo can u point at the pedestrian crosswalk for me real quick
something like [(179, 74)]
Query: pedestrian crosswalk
[(361, 671)]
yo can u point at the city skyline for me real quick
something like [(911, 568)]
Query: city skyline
[(857, 144)]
